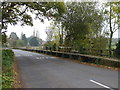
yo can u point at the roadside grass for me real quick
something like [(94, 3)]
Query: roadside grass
[(7, 68)]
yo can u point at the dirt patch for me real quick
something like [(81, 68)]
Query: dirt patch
[(18, 83)]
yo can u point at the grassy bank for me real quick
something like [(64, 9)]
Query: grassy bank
[(7, 68)]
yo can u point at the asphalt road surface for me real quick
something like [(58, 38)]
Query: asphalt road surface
[(43, 71)]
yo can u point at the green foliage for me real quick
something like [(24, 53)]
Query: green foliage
[(12, 40), (14, 36), (56, 33), (48, 45), (4, 38), (7, 59), (54, 47), (100, 43), (117, 50), (113, 19), (33, 41), (24, 39), (82, 23), (7, 68), (14, 12), (20, 43)]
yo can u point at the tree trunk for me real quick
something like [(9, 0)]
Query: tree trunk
[(1, 17), (62, 37), (111, 33), (110, 44)]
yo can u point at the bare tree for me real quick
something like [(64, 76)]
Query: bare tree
[(49, 33)]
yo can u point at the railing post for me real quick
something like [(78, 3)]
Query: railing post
[(101, 52)]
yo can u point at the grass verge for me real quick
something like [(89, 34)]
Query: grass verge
[(7, 68)]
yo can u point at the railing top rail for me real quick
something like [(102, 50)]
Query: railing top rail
[(91, 56)]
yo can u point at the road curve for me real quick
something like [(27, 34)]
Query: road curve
[(43, 71)]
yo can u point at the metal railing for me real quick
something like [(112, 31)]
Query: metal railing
[(81, 57)]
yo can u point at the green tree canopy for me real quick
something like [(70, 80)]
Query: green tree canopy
[(113, 19), (117, 50), (20, 43), (14, 12), (24, 39), (33, 41), (13, 39), (4, 38), (13, 36), (79, 20)]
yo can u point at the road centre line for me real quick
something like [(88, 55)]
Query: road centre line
[(100, 84)]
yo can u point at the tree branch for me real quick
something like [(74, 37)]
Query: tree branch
[(23, 11)]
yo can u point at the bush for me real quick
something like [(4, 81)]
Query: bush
[(117, 50), (7, 68)]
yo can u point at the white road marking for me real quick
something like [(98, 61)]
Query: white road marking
[(17, 55), (27, 55), (37, 58), (47, 57), (43, 57), (52, 57), (100, 84)]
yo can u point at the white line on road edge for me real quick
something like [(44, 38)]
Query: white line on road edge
[(101, 84), (37, 57), (52, 57), (17, 55)]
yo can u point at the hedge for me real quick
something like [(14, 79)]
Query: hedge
[(7, 68)]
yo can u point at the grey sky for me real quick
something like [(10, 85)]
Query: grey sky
[(28, 30)]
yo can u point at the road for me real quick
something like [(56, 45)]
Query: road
[(43, 71)]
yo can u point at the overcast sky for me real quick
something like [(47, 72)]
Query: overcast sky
[(28, 30)]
